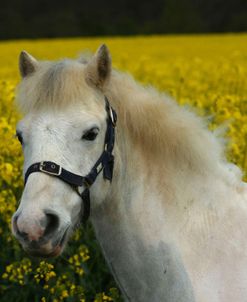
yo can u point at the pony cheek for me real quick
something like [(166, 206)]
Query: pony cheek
[(99, 192), (75, 210)]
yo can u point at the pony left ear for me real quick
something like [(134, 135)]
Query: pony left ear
[(98, 69), (27, 64)]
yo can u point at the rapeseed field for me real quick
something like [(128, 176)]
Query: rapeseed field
[(208, 73)]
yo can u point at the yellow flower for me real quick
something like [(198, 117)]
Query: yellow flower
[(210, 83), (64, 294)]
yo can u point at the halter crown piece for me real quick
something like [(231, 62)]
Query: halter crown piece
[(105, 163)]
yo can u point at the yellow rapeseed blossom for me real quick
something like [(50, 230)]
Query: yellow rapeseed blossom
[(206, 73), (17, 271), (44, 272), (78, 259), (102, 297)]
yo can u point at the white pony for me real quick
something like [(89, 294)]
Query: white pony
[(172, 223)]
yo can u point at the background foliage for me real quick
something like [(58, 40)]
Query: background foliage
[(60, 18), (208, 73)]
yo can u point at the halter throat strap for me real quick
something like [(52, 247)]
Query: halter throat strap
[(105, 163)]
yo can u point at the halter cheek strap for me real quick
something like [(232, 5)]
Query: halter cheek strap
[(105, 163)]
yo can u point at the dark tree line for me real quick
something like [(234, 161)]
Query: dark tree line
[(53, 18)]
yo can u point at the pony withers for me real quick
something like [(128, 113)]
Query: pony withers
[(169, 211)]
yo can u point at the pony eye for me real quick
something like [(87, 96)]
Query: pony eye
[(91, 134), (19, 137)]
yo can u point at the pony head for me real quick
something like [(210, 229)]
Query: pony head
[(65, 122)]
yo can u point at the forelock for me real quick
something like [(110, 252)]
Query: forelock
[(54, 84)]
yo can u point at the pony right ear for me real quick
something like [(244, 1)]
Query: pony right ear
[(98, 69), (27, 64)]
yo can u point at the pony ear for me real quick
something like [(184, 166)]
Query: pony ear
[(98, 69), (27, 64)]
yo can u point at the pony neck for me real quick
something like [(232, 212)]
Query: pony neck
[(130, 226), (165, 156)]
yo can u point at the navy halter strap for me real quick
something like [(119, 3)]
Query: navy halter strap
[(105, 163)]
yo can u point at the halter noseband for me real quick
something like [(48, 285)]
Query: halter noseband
[(105, 163)]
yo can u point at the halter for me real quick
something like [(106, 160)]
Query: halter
[(105, 163)]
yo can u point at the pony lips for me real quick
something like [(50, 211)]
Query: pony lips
[(45, 252), (50, 248)]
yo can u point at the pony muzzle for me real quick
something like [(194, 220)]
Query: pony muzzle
[(40, 236)]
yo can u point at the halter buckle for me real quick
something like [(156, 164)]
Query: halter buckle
[(50, 168)]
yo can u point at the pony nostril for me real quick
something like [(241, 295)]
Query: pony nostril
[(52, 222), (23, 235)]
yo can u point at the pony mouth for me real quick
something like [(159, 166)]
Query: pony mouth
[(49, 250), (43, 254)]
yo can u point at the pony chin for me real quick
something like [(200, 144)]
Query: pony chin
[(49, 249), (57, 251)]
